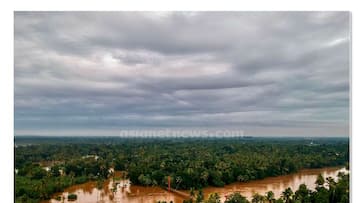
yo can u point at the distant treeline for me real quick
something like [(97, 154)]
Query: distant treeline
[(31, 140), (191, 163)]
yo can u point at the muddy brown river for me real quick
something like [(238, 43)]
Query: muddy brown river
[(125, 192)]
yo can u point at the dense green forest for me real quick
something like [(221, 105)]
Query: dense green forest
[(190, 162)]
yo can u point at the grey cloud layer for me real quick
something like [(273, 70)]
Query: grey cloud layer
[(270, 73)]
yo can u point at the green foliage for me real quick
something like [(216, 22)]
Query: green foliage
[(33, 183), (302, 194), (72, 197), (270, 196), (320, 181), (191, 163), (213, 198), (287, 194), (220, 162), (200, 196), (236, 198), (257, 198), (55, 171)]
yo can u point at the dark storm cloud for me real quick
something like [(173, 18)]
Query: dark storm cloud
[(269, 73)]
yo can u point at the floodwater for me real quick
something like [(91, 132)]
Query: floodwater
[(125, 192)]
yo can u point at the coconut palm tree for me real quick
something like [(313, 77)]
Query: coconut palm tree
[(320, 181), (286, 195), (236, 198), (257, 198), (270, 196), (213, 198), (302, 194), (332, 187), (200, 196), (99, 187)]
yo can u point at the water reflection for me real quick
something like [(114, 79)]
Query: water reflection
[(123, 191)]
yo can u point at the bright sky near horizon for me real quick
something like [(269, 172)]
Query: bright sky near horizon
[(266, 73)]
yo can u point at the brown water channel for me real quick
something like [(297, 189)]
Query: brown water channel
[(125, 192)]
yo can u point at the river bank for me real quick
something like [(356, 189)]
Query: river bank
[(126, 192)]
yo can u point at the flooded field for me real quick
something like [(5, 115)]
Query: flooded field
[(123, 191)]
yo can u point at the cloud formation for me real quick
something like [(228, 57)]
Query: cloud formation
[(268, 73)]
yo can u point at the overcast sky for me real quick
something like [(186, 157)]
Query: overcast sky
[(266, 73)]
